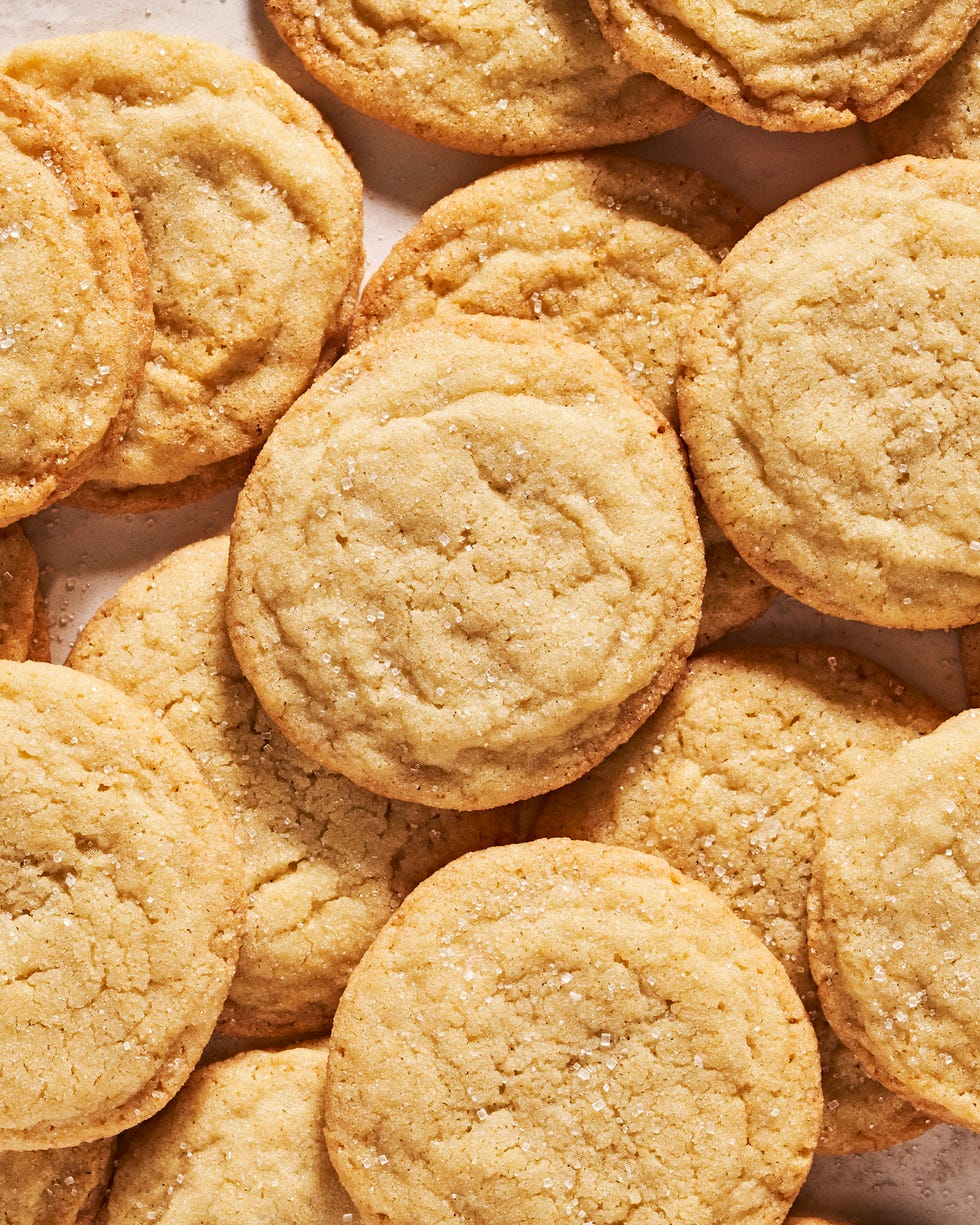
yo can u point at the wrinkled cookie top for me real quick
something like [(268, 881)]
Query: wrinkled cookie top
[(465, 564), (250, 212), (121, 913), (893, 919), (561, 1029), (506, 77), (829, 392), (790, 66), (73, 320)]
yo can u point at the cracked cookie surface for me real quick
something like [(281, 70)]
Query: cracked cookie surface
[(829, 390), (893, 908), (786, 66), (326, 863), (563, 1029), (506, 77), (245, 1133), (122, 910), (76, 319), (466, 565), (726, 781), (943, 118), (250, 212)]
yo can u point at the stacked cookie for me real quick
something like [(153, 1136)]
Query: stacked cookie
[(462, 589), (250, 214), (536, 76)]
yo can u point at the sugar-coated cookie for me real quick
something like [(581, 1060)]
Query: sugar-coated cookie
[(828, 394), (506, 77), (326, 863), (121, 913), (893, 909), (561, 1030), (57, 1186), (726, 781), (241, 1143), (250, 211), (800, 68), (76, 319), (466, 565), (943, 118)]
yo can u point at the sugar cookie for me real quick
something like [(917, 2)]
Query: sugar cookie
[(122, 907), (943, 118), (893, 910), (561, 1030), (482, 570), (251, 215), (801, 68), (829, 391), (75, 322), (245, 1134), (507, 77)]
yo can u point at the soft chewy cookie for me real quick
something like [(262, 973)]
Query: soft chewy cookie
[(466, 565), (251, 215), (726, 781), (507, 77), (560, 1030), (76, 318), (121, 912), (943, 118), (798, 67), (243, 1139), (829, 394), (58, 1186), (326, 862), (607, 249), (893, 920)]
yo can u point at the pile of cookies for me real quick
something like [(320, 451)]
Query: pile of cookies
[(427, 789)]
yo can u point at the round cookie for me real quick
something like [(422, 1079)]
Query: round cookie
[(466, 565), (893, 910), (245, 1134), (943, 118), (326, 863), (561, 1030), (507, 77), (726, 781), (607, 249), (800, 68), (58, 1186), (76, 319), (828, 393), (121, 914), (251, 215), (18, 593)]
